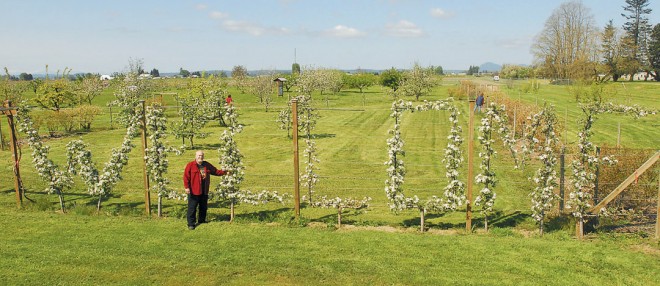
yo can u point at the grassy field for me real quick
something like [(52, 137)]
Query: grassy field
[(43, 248), (264, 246)]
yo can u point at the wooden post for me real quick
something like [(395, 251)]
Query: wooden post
[(618, 135), (422, 213), (562, 180), (657, 214), (296, 178), (597, 176), (2, 139), (514, 122), (110, 107), (10, 111), (147, 195), (468, 206)]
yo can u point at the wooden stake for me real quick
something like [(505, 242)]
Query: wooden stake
[(468, 206), (657, 214), (618, 136), (147, 195), (10, 111), (562, 181), (296, 171)]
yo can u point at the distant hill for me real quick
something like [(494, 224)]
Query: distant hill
[(490, 67)]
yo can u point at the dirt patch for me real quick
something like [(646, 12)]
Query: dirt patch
[(646, 249)]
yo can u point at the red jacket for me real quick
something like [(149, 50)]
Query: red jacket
[(192, 177)]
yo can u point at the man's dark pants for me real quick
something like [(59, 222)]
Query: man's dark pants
[(193, 202)]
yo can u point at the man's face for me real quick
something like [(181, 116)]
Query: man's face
[(199, 157)]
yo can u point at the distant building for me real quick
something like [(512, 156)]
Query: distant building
[(106, 77), (280, 85)]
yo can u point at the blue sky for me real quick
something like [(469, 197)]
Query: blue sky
[(101, 36)]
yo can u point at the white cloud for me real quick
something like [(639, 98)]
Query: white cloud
[(342, 31), (404, 29), (251, 28), (200, 7), (218, 15), (441, 14)]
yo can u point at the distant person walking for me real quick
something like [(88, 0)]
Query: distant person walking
[(479, 102), (229, 100), (196, 182)]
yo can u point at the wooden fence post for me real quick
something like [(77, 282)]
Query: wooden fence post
[(147, 195), (657, 214), (468, 206), (296, 178), (10, 111), (618, 135), (562, 180), (597, 176), (2, 139)]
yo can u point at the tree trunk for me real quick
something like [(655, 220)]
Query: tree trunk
[(486, 222), (579, 228), (98, 204), (421, 219), (231, 212), (160, 206), (61, 197)]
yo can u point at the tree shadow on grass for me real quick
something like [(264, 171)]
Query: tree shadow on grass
[(277, 215), (501, 220), (428, 224), (204, 147)]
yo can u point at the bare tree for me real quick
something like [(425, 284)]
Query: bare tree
[(566, 47), (239, 75), (262, 87)]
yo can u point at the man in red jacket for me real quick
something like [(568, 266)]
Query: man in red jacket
[(196, 181)]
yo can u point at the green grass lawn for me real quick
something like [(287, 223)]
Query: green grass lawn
[(44, 248)]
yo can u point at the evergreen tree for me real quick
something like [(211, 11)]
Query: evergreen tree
[(638, 28)]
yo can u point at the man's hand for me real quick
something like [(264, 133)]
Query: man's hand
[(187, 191)]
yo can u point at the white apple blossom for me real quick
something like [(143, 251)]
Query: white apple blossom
[(57, 179)]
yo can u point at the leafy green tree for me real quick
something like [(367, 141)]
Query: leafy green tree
[(25, 76), (611, 51), (154, 72), (417, 82), (56, 94), (473, 70), (295, 69), (291, 81), (360, 80), (654, 52), (391, 78), (184, 73), (438, 70)]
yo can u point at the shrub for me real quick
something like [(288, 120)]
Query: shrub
[(85, 115)]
